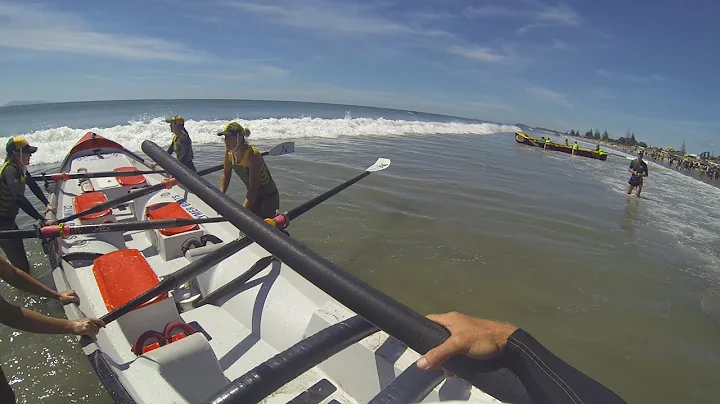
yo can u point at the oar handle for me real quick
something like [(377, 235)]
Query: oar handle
[(18, 234)]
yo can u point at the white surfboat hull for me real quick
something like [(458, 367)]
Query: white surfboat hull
[(276, 309)]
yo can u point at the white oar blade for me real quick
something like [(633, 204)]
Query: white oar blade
[(379, 165), (284, 148)]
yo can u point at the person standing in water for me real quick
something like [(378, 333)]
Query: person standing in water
[(262, 198), (639, 170), (181, 142), (13, 178)]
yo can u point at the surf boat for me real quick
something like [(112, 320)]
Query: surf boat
[(531, 141), (206, 303)]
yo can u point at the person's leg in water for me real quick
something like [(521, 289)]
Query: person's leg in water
[(639, 189)]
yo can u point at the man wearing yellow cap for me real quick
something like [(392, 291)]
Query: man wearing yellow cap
[(13, 178), (181, 143), (262, 196)]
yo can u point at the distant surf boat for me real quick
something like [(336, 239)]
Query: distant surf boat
[(531, 141)]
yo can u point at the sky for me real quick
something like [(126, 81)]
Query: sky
[(645, 66)]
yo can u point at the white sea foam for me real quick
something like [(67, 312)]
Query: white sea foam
[(54, 143)]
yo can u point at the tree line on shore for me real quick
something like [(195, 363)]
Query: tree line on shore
[(627, 140)]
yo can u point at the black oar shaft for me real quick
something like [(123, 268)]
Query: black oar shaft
[(137, 194), (293, 213), (398, 320), (196, 268), (64, 231), (188, 272), (98, 174)]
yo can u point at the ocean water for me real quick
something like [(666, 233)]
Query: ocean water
[(465, 219)]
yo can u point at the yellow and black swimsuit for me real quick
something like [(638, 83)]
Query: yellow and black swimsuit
[(242, 169)]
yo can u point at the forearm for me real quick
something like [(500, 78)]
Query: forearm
[(171, 149), (28, 320), (224, 182), (250, 196), (28, 208), (27, 283), (35, 188), (547, 378)]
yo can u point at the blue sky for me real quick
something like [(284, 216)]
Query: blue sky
[(645, 66)]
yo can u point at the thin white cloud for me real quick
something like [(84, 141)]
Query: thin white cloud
[(493, 11), (657, 77), (549, 95), (558, 15), (535, 15), (629, 77), (253, 73), (34, 28), (322, 15), (477, 53), (603, 72)]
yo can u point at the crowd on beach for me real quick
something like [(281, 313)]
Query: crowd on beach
[(689, 163), (686, 163)]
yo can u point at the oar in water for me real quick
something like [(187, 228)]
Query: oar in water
[(63, 231), (284, 148), (278, 150), (196, 268)]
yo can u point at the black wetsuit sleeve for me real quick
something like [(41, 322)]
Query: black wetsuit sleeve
[(547, 378), (11, 176), (35, 188), (185, 152), (171, 149)]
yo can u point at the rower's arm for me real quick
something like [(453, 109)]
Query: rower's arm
[(11, 177), (28, 320), (227, 172), (547, 378), (24, 281), (254, 164), (171, 148), (35, 188)]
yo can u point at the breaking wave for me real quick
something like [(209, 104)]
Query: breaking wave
[(54, 143)]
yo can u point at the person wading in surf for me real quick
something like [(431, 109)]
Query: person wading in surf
[(27, 320), (181, 142), (13, 178), (639, 170), (262, 196)]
